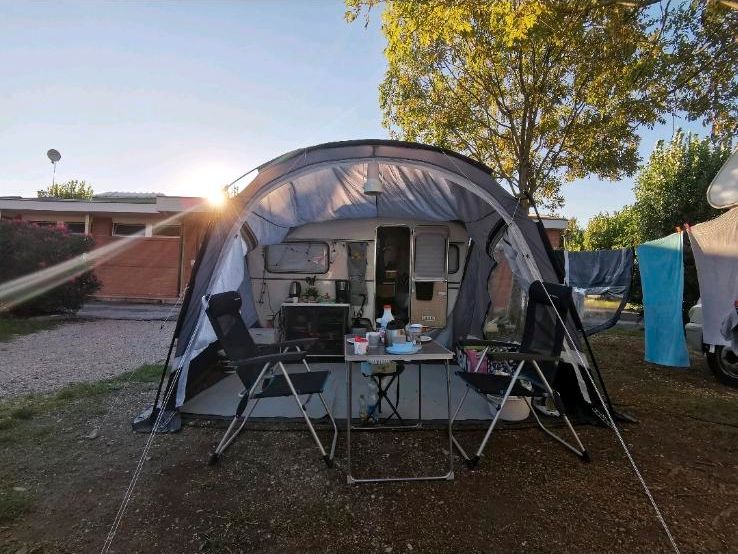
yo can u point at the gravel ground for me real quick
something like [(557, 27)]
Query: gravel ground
[(79, 351)]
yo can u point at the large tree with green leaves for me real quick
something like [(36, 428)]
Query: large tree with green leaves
[(69, 189), (671, 189), (549, 91)]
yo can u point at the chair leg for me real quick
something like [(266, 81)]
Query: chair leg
[(232, 432), (326, 457), (453, 418), (580, 451), (329, 459), (472, 462)]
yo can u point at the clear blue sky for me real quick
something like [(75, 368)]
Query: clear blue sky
[(180, 98)]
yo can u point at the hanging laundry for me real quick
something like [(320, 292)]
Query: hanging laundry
[(715, 247), (603, 273), (661, 263)]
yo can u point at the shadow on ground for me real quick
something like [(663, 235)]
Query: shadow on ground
[(66, 460)]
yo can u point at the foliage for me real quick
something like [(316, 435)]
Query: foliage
[(12, 327), (573, 236), (671, 188), (616, 230), (549, 91), (27, 248), (71, 189)]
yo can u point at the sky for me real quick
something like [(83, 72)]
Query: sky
[(182, 98)]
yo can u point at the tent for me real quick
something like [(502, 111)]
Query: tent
[(325, 183)]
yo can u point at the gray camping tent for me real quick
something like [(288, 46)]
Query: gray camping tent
[(325, 182)]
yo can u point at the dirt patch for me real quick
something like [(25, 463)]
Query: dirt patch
[(271, 492)]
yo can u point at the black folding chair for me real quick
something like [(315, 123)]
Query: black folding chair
[(256, 366), (537, 359)]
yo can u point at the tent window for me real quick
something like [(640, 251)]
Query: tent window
[(298, 257), (430, 256), (454, 255)]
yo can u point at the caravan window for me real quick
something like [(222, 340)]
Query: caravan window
[(454, 255), (430, 255), (298, 257)]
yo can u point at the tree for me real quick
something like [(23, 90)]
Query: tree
[(616, 230), (573, 235), (549, 91), (70, 189), (671, 188)]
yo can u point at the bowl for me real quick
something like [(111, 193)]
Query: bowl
[(403, 346)]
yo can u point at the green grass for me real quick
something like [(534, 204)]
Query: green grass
[(14, 503), (13, 327), (15, 412), (29, 420)]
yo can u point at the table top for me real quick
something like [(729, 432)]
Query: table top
[(377, 354), (315, 305)]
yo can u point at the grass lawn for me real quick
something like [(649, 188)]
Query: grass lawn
[(66, 460), (34, 421), (13, 327)]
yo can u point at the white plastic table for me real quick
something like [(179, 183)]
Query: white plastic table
[(430, 352)]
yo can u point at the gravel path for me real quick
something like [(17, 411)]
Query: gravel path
[(79, 351)]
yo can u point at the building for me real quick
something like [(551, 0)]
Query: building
[(168, 231)]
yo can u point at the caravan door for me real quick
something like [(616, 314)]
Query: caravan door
[(429, 303)]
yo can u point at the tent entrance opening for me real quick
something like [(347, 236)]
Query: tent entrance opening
[(392, 271)]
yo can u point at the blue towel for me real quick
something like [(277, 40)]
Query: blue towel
[(662, 278)]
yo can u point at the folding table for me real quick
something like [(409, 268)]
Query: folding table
[(430, 352)]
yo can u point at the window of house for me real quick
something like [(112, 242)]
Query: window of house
[(454, 255), (167, 231), (128, 229), (76, 227), (298, 257), (44, 223)]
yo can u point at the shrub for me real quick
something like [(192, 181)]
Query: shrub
[(26, 248)]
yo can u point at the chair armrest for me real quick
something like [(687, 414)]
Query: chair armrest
[(480, 342), (271, 358), (521, 357), (301, 343)]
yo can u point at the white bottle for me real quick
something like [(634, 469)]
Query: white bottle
[(386, 317)]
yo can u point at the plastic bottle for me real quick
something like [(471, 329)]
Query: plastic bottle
[(386, 316), (363, 413), (373, 399)]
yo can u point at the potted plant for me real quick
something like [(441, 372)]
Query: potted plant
[(311, 294)]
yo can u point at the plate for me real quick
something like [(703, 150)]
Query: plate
[(391, 350), (425, 338)]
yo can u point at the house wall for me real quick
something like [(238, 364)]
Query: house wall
[(502, 281), (153, 268)]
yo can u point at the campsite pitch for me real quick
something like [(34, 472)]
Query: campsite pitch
[(66, 460)]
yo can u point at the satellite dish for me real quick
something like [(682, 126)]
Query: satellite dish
[(723, 191), (53, 155)]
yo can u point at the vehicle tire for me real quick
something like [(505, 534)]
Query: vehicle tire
[(724, 364)]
